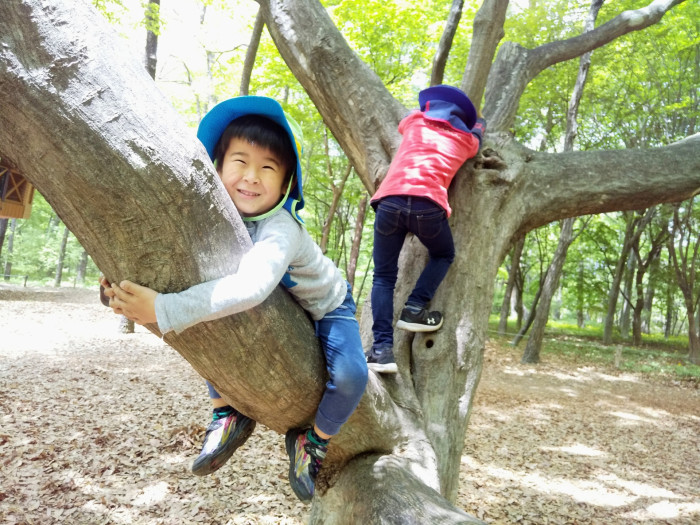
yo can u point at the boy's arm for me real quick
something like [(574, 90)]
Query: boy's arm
[(259, 272)]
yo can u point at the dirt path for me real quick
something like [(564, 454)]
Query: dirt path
[(99, 427)]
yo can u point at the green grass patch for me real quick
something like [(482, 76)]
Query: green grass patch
[(581, 346)]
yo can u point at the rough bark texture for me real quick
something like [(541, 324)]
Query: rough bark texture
[(138, 191)]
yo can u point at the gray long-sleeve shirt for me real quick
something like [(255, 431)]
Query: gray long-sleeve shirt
[(283, 251)]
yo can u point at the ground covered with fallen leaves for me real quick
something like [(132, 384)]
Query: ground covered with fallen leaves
[(98, 427)]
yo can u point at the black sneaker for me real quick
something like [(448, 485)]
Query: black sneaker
[(382, 361), (223, 437), (305, 459), (423, 321)]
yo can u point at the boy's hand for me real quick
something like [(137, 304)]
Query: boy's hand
[(134, 301)]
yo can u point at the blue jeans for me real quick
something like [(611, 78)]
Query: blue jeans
[(395, 217), (339, 335)]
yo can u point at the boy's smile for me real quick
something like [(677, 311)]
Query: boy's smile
[(253, 177)]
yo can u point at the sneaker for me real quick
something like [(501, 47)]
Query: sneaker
[(221, 440), (382, 361), (423, 321), (305, 459)]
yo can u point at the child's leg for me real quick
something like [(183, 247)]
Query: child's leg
[(429, 223), (390, 228), (339, 334), (435, 234), (227, 431)]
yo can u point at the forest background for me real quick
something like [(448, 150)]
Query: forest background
[(626, 276)]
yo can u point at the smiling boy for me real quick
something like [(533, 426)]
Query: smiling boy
[(256, 149)]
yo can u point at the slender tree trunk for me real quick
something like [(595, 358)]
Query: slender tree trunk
[(82, 268), (61, 257), (516, 253), (251, 53), (445, 44), (357, 240), (337, 194), (635, 227), (626, 314), (3, 231), (518, 306), (10, 244), (152, 19), (580, 318), (547, 289), (566, 237), (531, 315)]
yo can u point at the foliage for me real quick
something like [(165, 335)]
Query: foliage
[(36, 245)]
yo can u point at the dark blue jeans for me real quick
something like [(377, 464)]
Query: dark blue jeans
[(339, 334), (395, 217)]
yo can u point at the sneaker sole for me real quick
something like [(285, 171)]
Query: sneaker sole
[(290, 442), (417, 327), (210, 464), (387, 368)]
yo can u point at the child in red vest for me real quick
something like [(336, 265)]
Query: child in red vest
[(412, 198)]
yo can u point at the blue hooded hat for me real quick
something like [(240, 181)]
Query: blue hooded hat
[(448, 103), (220, 116)]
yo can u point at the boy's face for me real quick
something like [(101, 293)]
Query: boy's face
[(253, 177)]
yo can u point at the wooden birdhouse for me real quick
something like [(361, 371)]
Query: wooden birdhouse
[(16, 193)]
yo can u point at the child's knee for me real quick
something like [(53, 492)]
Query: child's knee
[(352, 380)]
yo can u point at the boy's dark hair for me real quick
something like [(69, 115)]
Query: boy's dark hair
[(262, 132)]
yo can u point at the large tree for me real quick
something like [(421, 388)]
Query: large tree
[(89, 128)]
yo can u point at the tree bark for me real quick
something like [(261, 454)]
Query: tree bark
[(146, 181)]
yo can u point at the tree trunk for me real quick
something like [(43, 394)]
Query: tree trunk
[(514, 268), (356, 241), (82, 268), (61, 257), (8, 253), (3, 231), (566, 237), (146, 181), (337, 191), (251, 53), (625, 314), (152, 20), (580, 283), (550, 284), (445, 44), (635, 227)]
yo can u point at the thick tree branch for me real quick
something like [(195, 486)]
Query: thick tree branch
[(488, 32), (319, 56), (550, 187)]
